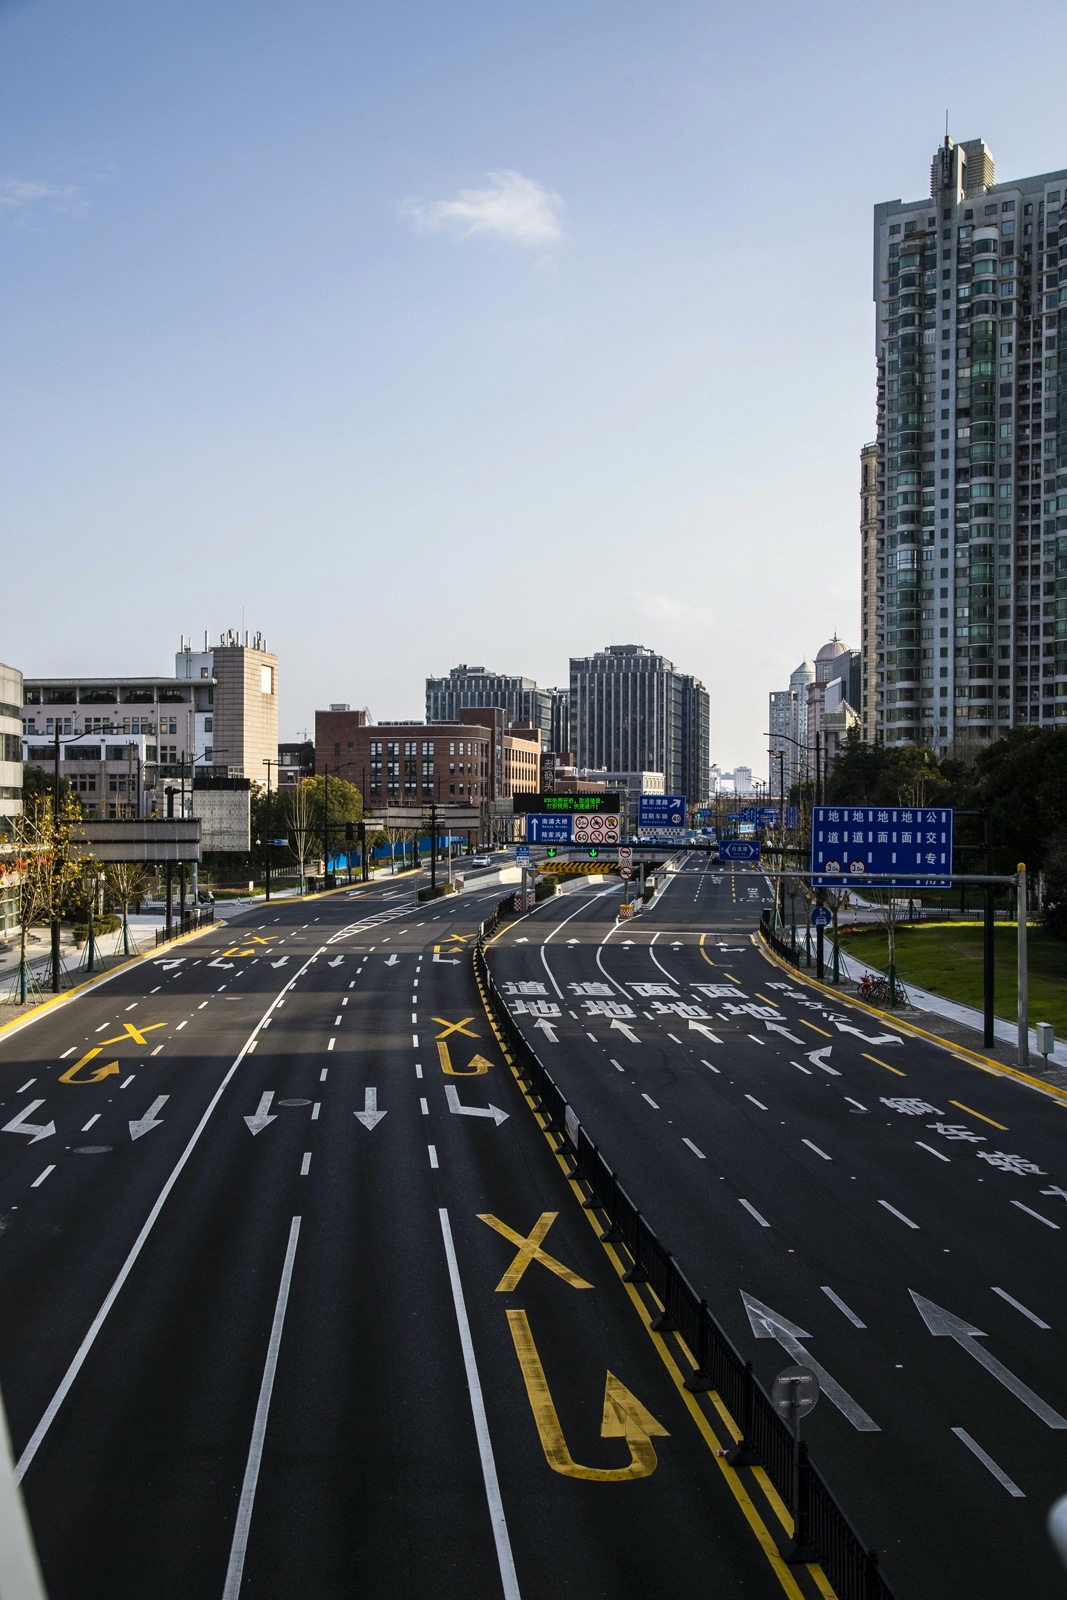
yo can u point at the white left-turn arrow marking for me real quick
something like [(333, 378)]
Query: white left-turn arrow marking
[(816, 1059), (768, 1324), (34, 1130), (452, 1096)]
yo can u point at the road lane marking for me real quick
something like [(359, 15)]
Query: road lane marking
[(239, 1545), (331, 1042), (857, 1103), (27, 1085), (806, 1024), (418, 1069), (94, 1118), (1010, 1298), (69, 1052), (125, 1084), (497, 1519), (756, 1039), (815, 1147), (710, 1068), (322, 1074), (768, 1324), (750, 1208), (414, 1041), (528, 1248), (37, 1182), (806, 1070), (424, 1107), (650, 1100), (82, 1352), (940, 1154), (988, 1462), (1046, 1220), (961, 1107), (699, 1153), (841, 1306), (432, 1148), (305, 1165), (884, 1064), (316, 1108), (899, 1214), (756, 1102)]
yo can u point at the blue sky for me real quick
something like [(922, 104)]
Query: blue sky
[(493, 333)]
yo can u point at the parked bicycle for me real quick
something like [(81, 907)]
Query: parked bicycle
[(876, 991)]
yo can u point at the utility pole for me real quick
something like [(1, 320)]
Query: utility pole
[(988, 934), (168, 929), (55, 819), (1023, 1038), (325, 823)]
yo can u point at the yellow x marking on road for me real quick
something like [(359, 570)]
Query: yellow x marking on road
[(529, 1248), (461, 938), (132, 1032), (456, 1027)]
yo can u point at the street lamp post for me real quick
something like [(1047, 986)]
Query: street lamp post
[(268, 762)]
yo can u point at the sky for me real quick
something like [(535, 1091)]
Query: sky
[(495, 333)]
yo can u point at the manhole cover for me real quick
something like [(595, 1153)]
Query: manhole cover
[(92, 1149), (294, 1102)]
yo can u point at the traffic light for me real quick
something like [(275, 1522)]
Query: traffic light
[(350, 832), (593, 852), (551, 851)]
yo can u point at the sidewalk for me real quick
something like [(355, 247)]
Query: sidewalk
[(963, 1016)]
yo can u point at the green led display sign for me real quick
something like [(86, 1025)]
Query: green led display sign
[(567, 804)]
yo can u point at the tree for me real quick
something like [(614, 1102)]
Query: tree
[(886, 775), (126, 880), (300, 817), (48, 874)]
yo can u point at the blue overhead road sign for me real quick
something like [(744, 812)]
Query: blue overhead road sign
[(739, 850), (543, 828), (850, 842)]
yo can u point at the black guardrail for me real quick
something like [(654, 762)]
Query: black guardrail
[(821, 1525)]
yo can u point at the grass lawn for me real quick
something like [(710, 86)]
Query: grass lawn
[(947, 959)]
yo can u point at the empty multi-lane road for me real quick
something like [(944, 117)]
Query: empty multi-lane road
[(843, 1193), (299, 1301)]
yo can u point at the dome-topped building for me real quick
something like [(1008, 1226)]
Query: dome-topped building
[(826, 662)]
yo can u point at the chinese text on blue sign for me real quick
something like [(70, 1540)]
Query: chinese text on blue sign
[(548, 829), (912, 845), (660, 811)]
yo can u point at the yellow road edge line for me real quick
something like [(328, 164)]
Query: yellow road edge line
[(972, 1113), (971, 1057), (879, 1063), (748, 1508)]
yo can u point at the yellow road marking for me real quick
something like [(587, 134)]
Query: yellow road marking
[(885, 1064), (731, 977), (529, 1249), (132, 1032), (97, 1075), (731, 1476), (461, 937), (456, 1027), (624, 1417), (959, 1104), (703, 952), (478, 1064), (814, 1029)]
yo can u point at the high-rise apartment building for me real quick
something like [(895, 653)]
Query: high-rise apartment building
[(788, 729), (631, 711), (868, 697), (970, 565)]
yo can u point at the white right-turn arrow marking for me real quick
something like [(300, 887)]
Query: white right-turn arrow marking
[(452, 1096)]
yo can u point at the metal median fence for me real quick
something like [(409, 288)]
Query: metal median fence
[(766, 1440)]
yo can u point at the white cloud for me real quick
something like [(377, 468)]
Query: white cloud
[(512, 207), (17, 194)]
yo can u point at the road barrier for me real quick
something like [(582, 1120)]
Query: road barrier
[(202, 917), (766, 1439)]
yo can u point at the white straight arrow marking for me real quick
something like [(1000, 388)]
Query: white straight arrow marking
[(151, 1118), (702, 1027), (871, 1038), (257, 1123), (768, 1324), (776, 1027), (452, 1096), (336, 962), (942, 1324), (370, 1116), (625, 1029), (35, 1131), (392, 960), (548, 1029)]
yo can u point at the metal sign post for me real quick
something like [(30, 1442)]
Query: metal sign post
[(794, 1393), (1023, 1010)]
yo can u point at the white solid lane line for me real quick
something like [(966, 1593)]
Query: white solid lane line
[(940, 1154), (239, 1546), (899, 1214), (750, 1208), (497, 1519), (694, 1149), (841, 1306), (987, 1461), (1047, 1221), (815, 1147), (1010, 1298)]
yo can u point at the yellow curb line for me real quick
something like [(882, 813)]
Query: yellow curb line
[(961, 1052), (733, 1479)]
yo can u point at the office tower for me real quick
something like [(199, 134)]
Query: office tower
[(520, 699), (630, 711), (559, 739), (867, 700), (788, 729), (972, 452)]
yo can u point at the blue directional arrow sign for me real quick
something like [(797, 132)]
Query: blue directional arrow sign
[(821, 917), (739, 850)]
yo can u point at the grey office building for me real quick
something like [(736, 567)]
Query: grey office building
[(520, 699), (631, 711), (970, 560)]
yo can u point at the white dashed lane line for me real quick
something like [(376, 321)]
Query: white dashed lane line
[(750, 1208)]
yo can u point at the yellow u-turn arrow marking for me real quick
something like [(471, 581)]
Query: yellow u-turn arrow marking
[(478, 1064), (624, 1417), (97, 1075)]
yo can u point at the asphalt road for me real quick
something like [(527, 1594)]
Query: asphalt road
[(298, 1300), (890, 1211)]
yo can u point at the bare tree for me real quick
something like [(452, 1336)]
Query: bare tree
[(47, 872), (302, 818), (127, 881)]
